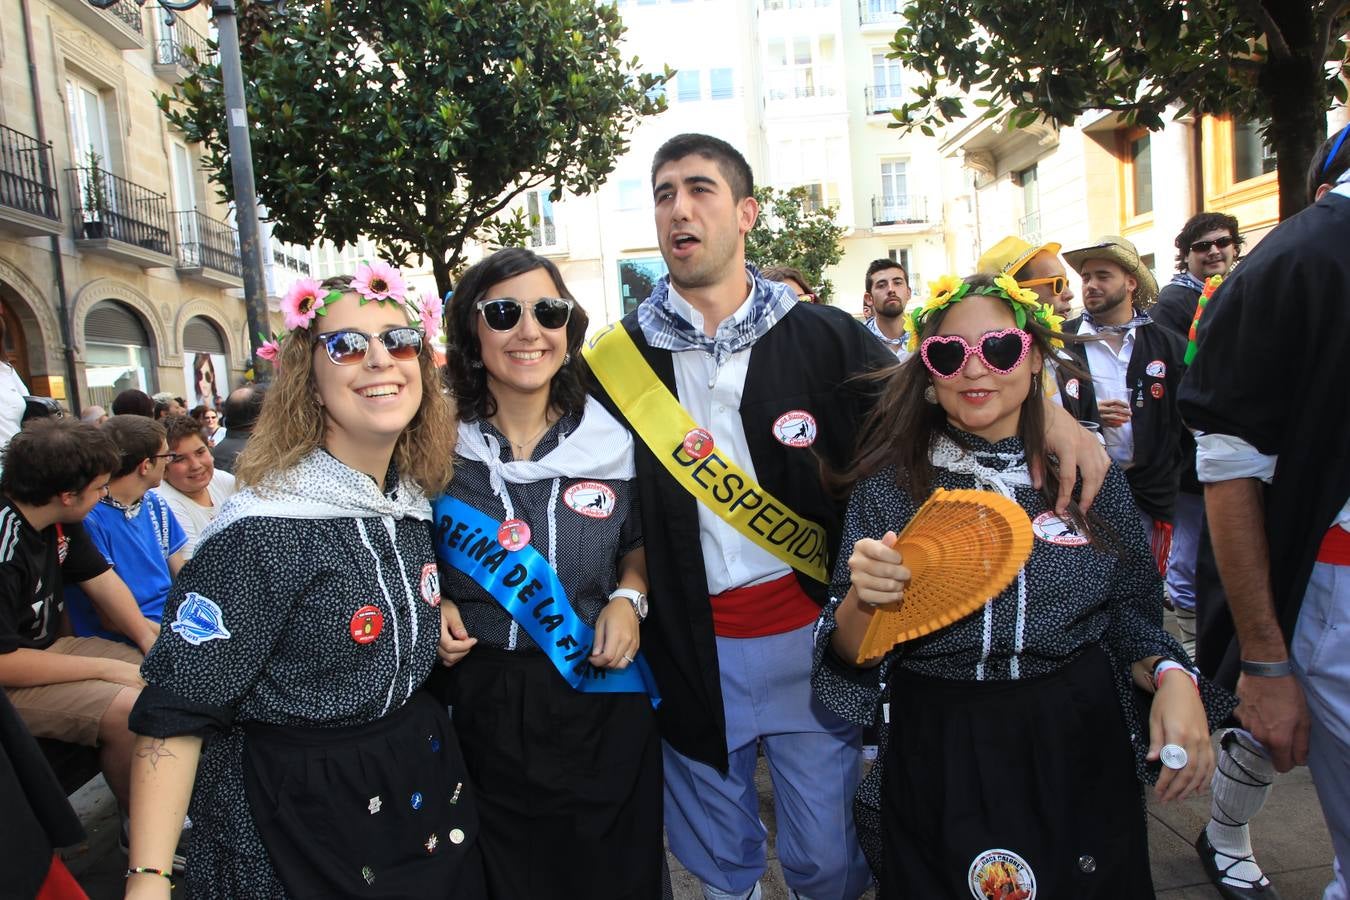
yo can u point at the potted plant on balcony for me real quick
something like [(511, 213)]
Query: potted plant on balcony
[(95, 195)]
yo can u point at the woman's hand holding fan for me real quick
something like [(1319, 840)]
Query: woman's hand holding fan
[(878, 572)]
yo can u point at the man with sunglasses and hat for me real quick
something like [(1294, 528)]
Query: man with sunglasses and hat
[(1037, 267), (1136, 368)]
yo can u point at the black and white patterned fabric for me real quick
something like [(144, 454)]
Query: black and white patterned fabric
[(283, 653), (1075, 595), (582, 530)]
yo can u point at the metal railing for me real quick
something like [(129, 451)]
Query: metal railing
[(204, 242), (26, 181), (881, 98), (287, 261), (1029, 226), (905, 210), (120, 210), (128, 13), (802, 92), (876, 12), (179, 44)]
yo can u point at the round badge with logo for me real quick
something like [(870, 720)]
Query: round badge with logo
[(429, 585), (795, 428), (591, 499), (1156, 369), (1071, 388), (513, 534), (698, 443), (1157, 391), (1054, 530), (366, 625), (1001, 873)]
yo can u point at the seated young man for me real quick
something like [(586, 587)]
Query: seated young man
[(193, 487), (133, 527), (72, 689)]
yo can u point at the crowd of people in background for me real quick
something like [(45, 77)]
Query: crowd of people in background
[(511, 628)]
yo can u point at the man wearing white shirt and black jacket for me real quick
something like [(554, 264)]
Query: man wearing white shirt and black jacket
[(1273, 435), (1136, 368)]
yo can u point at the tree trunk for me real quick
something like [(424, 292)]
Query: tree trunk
[(1298, 100), (441, 270)]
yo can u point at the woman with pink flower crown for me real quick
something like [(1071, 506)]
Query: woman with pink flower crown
[(284, 697)]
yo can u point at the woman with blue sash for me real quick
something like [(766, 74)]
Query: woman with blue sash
[(545, 579)]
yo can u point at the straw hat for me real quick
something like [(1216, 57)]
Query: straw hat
[(1118, 250), (1010, 255)]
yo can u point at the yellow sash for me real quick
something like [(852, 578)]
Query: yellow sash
[(715, 481)]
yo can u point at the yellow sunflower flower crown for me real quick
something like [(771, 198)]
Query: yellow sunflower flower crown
[(950, 289)]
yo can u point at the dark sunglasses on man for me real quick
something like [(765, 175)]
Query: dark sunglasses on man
[(1222, 243), (349, 346)]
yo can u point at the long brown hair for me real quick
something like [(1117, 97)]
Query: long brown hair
[(902, 426), (292, 423)]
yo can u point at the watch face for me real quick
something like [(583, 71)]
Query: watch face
[(640, 604)]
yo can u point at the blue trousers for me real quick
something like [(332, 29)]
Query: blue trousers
[(1187, 521), (1321, 656), (814, 758)]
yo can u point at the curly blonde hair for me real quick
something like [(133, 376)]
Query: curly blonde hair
[(291, 424)]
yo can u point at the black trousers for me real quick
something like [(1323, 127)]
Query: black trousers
[(992, 788), (569, 784), (383, 809)]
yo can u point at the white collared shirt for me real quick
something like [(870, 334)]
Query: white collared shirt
[(1110, 382), (895, 345), (712, 397)]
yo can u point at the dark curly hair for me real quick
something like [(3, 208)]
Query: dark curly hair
[(464, 372), (52, 456), (1199, 224)]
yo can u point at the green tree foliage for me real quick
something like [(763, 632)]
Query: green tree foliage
[(787, 234), (1277, 61), (416, 122)]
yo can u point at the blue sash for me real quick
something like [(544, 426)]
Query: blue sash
[(529, 590)]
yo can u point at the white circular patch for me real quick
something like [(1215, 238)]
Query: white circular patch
[(430, 584), (1071, 388), (1156, 369), (1054, 530), (795, 428), (591, 499), (1000, 874)]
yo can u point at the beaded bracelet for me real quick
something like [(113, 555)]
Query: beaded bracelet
[(150, 870)]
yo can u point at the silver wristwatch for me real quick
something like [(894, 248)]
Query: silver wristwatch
[(636, 598)]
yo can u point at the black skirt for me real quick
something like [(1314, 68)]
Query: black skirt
[(1012, 789), (569, 784), (383, 809)]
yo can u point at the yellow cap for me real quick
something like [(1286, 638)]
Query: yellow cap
[(1010, 255)]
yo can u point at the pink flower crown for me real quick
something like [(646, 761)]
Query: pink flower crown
[(378, 282)]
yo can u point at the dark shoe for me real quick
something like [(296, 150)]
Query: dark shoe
[(1234, 888)]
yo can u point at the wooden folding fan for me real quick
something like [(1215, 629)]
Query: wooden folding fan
[(962, 548)]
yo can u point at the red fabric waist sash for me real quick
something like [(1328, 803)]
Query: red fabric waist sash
[(1335, 549), (759, 610)]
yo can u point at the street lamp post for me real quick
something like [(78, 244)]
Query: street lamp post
[(241, 154)]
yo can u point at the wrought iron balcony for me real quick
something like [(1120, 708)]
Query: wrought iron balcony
[(119, 24), (902, 210), (292, 263), (121, 218), (879, 12), (179, 44), (1030, 227), (881, 98), (28, 200), (208, 249)]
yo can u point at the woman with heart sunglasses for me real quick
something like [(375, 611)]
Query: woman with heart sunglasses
[(568, 776), (285, 691), (1031, 700)]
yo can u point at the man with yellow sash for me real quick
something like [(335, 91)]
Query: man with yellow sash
[(737, 393)]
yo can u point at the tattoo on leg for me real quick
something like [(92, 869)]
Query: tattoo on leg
[(155, 751)]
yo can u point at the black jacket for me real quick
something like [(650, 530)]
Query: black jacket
[(805, 361), (1153, 377), (1175, 309)]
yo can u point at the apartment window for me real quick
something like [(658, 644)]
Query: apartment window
[(894, 191), (886, 82), (721, 84), (901, 255), (820, 194), (637, 277), (1030, 223), (792, 68), (539, 211), (1252, 155), (688, 85), (1139, 173), (88, 122), (657, 91), (874, 10)]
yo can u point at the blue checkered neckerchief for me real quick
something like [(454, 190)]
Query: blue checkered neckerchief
[(130, 511), (1140, 318), (1187, 280), (666, 329)]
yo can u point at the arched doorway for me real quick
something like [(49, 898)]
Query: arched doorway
[(116, 353), (15, 344), (205, 363)]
